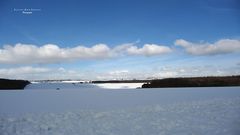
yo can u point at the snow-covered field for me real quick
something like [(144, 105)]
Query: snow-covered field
[(119, 85), (96, 111)]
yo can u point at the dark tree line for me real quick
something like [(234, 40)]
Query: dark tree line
[(13, 84), (194, 82)]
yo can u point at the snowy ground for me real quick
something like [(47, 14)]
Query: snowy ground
[(179, 111), (119, 85)]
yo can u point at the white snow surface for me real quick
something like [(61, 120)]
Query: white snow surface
[(94, 111), (119, 85)]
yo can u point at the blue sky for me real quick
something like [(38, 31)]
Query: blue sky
[(159, 38)]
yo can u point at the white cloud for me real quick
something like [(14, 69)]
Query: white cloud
[(50, 53), (113, 75), (222, 46), (37, 73), (121, 49), (40, 73), (118, 72), (22, 72), (193, 71), (148, 50)]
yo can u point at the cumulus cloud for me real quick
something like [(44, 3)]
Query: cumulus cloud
[(114, 75), (22, 53), (148, 50), (22, 72), (118, 72), (38, 73), (222, 46), (50, 53)]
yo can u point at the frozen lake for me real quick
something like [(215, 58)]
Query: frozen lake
[(90, 109)]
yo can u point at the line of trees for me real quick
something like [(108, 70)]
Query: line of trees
[(13, 84), (194, 82)]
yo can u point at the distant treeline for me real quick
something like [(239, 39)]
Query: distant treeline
[(12, 84), (122, 81), (194, 82)]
